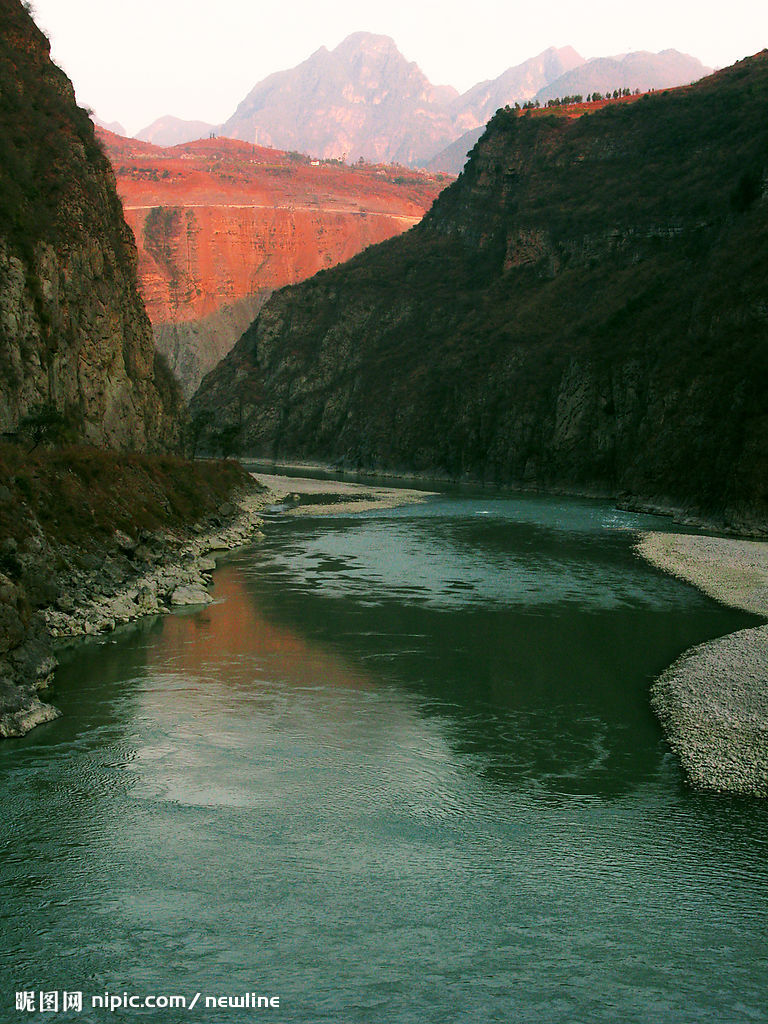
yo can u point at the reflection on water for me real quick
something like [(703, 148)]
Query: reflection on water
[(402, 770)]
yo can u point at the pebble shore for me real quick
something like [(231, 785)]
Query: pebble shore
[(335, 497), (713, 701)]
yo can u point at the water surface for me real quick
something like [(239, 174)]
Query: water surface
[(403, 770)]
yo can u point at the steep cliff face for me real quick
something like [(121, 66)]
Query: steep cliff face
[(219, 224), (73, 331), (585, 308)]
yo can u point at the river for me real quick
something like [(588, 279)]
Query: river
[(402, 771)]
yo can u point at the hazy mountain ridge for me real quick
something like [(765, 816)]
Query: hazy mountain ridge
[(171, 131), (639, 70), (364, 99), (110, 126), (584, 308), (516, 84)]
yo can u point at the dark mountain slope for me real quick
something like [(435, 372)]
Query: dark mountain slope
[(585, 308)]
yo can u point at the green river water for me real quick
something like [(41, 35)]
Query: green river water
[(402, 770)]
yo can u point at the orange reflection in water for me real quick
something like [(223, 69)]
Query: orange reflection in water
[(234, 638), (226, 678)]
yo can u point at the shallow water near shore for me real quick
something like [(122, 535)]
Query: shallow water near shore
[(403, 770)]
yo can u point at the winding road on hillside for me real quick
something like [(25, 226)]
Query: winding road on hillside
[(359, 211)]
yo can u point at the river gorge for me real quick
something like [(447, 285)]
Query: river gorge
[(403, 768)]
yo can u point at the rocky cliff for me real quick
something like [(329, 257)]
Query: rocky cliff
[(77, 362), (219, 224), (585, 309), (74, 334)]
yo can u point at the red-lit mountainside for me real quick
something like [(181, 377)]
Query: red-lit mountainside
[(220, 224), (364, 98)]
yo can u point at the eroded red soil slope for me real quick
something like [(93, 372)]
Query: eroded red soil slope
[(221, 223)]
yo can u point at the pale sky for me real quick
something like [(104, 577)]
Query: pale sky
[(134, 62)]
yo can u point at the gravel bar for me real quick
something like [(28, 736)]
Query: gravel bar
[(713, 701), (315, 497)]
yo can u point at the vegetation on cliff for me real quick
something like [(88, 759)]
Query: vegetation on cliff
[(585, 308), (81, 496)]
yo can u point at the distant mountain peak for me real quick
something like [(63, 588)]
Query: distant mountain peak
[(173, 131), (368, 42), (111, 126), (568, 53), (374, 104)]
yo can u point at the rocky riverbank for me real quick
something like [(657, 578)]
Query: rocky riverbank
[(92, 538), (148, 574), (63, 591), (713, 701)]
